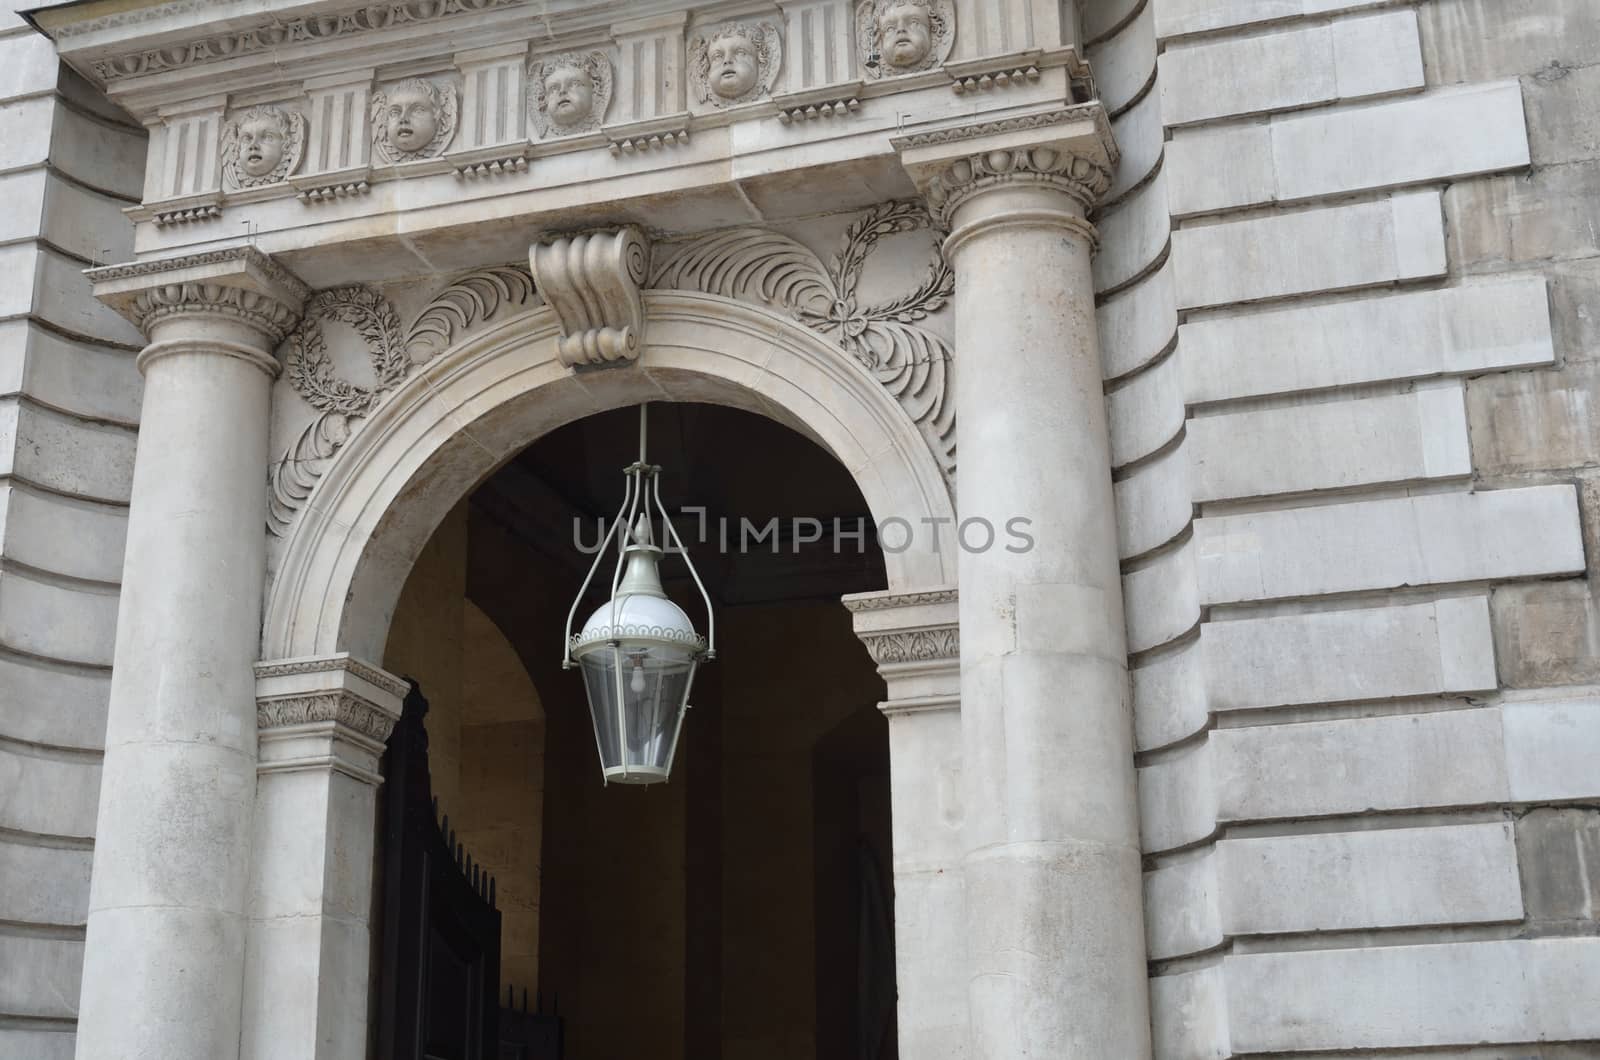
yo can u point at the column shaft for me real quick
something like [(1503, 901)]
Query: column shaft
[(164, 957), (1052, 865)]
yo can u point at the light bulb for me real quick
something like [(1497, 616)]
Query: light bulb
[(636, 686)]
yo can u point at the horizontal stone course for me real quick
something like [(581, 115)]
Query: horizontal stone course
[(47, 793), (1133, 235), (1458, 330), (1385, 544), (1153, 504), (66, 455), (95, 382), (1161, 599), (1443, 134), (60, 535), (1349, 58), (1169, 697), (69, 621), (1331, 445), (48, 703), (1535, 421), (1145, 413), (1124, 62), (1175, 18), (44, 884), (40, 977), (1399, 237), (1372, 653), (1414, 996), (1138, 323)]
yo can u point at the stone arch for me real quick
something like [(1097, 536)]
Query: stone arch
[(481, 402)]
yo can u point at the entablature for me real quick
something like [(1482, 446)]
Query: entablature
[(396, 132)]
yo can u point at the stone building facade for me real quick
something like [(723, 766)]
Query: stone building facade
[(1279, 320)]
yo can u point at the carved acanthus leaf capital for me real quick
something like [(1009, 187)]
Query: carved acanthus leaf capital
[(351, 695), (236, 283), (592, 282), (1069, 149)]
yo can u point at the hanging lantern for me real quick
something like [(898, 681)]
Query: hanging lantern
[(638, 651)]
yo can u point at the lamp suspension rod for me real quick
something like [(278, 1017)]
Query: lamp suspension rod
[(644, 424), (599, 554)]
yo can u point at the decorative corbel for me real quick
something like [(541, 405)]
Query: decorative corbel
[(591, 281)]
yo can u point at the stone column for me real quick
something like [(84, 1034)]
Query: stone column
[(912, 637), (1052, 863), (322, 723), (164, 960)]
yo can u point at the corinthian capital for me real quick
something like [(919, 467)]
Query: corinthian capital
[(234, 285), (1068, 149)]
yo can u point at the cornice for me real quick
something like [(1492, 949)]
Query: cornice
[(1063, 115), (334, 664), (247, 257), (236, 282), (890, 601)]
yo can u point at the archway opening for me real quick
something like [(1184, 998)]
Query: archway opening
[(745, 909)]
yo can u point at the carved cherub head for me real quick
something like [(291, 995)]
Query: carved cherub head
[(262, 146), (414, 119), (736, 62), (570, 92), (904, 36)]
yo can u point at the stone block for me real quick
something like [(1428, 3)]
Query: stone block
[(87, 223), (62, 706), (1133, 235), (1477, 40), (1547, 633), (23, 193), (1563, 122), (1180, 908), (1175, 18), (28, 66), (1125, 62), (48, 793), (44, 884), (1153, 503), (74, 622), (1169, 698), (1348, 58), (66, 455), (1138, 323), (25, 132), (1559, 852), (1140, 135), (1358, 765), (1189, 1015), (1342, 656), (101, 154), (1335, 248), (1145, 413), (1444, 134), (1517, 220), (36, 1044), (40, 976), (96, 382), (1410, 437), (1348, 881), (1535, 421), (1427, 540), (1178, 799), (61, 535), (1161, 599), (1459, 330), (1414, 996), (1551, 749)]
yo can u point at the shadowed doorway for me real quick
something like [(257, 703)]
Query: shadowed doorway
[(744, 909)]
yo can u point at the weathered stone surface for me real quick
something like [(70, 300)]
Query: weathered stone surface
[(1413, 996), (48, 793), (40, 976), (1189, 1015), (1563, 122), (1477, 40), (1559, 854), (1514, 220), (43, 884), (1348, 58), (1446, 133), (1547, 633), (1178, 798), (1330, 445), (1145, 413), (75, 715), (1138, 323), (1179, 17), (1133, 235), (61, 535), (1125, 62), (1455, 874), (1400, 237), (1161, 599), (1153, 504), (65, 454), (1329, 657), (1181, 907), (1458, 330), (56, 619), (1551, 747), (96, 382), (1169, 697), (1535, 421), (1428, 540), (1139, 134)]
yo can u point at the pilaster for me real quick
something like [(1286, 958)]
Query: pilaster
[(1051, 861), (914, 639), (321, 724), (163, 963)]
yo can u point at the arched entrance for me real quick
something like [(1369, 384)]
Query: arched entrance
[(473, 408)]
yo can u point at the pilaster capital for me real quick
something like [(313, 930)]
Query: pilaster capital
[(256, 300), (915, 638), (1065, 149), (325, 713)]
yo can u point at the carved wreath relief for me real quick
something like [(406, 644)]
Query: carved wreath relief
[(413, 119), (262, 146), (736, 62), (904, 36), (569, 93)]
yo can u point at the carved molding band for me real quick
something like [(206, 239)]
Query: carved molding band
[(1082, 178), (342, 708), (333, 664), (592, 283), (937, 644), (891, 601), (262, 312), (759, 265)]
